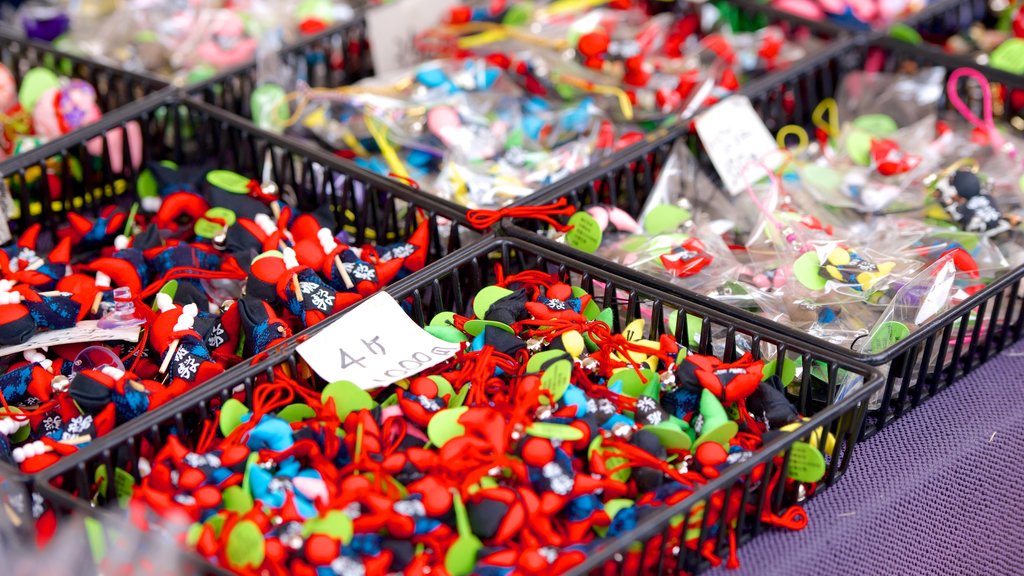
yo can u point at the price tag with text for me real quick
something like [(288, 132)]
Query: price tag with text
[(373, 345), (84, 331), (736, 140), (392, 29)]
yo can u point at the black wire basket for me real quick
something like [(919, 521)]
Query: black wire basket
[(916, 368), (367, 206), (450, 284), (115, 88), (341, 56)]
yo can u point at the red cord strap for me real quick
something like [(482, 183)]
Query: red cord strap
[(484, 219)]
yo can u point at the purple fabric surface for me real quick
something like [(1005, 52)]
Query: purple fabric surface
[(940, 491)]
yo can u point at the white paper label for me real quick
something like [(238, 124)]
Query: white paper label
[(737, 142), (6, 210), (84, 331), (373, 345), (937, 297), (393, 27)]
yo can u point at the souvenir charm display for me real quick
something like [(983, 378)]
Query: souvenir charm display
[(113, 315), (545, 435)]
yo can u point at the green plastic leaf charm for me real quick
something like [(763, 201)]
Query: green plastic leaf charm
[(591, 311), (237, 500), (461, 557), (1009, 56), (486, 297), (246, 546), (296, 413), (445, 425), (806, 464), (665, 218), (586, 234), (335, 524), (806, 269), (634, 385), (888, 334), (347, 397), (788, 370), (231, 414), (622, 475), (231, 181), (552, 431), (556, 379), (538, 361)]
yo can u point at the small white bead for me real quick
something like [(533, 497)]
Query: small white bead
[(164, 302)]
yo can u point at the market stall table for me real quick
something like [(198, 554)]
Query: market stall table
[(937, 493)]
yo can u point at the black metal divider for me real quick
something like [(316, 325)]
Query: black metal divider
[(916, 368)]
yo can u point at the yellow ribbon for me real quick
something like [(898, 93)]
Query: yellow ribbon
[(831, 125)]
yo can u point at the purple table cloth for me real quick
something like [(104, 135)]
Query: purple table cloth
[(940, 491)]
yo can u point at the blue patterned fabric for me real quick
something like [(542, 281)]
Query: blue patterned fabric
[(53, 312), (14, 384), (132, 404)]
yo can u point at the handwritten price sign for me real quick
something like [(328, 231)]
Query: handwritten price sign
[(373, 345), (736, 139), (393, 27)]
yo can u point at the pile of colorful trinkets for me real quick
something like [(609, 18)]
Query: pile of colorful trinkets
[(544, 436), (519, 96), (191, 40), (41, 107), (111, 316), (888, 217)]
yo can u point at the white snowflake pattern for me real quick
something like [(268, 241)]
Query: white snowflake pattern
[(430, 404), (654, 418), (561, 484), (17, 503), (194, 460), (187, 368), (646, 404), (556, 304), (216, 337), (410, 508), (360, 270), (345, 566), (80, 424), (403, 251), (52, 423), (320, 298), (984, 212)]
